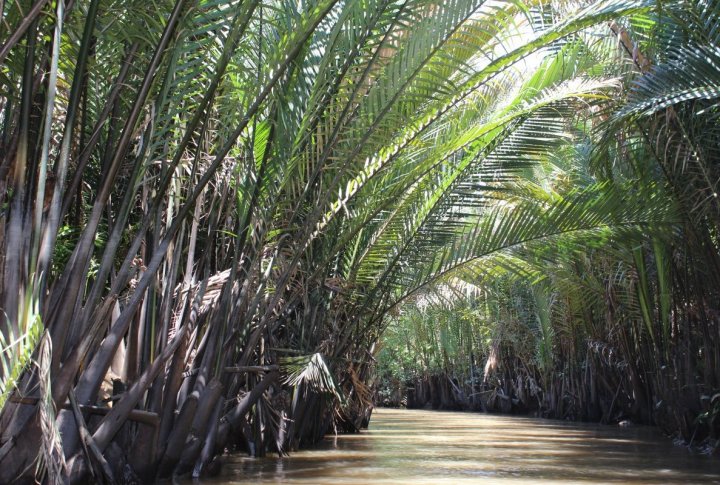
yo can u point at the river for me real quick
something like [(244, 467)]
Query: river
[(431, 447)]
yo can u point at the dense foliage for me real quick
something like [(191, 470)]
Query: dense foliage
[(211, 207), (617, 324)]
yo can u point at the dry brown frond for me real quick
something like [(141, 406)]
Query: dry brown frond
[(51, 460)]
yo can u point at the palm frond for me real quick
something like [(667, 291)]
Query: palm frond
[(311, 371)]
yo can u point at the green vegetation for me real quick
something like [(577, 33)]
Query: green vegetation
[(605, 325), (217, 207)]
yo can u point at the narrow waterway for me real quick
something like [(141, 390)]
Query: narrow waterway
[(429, 447)]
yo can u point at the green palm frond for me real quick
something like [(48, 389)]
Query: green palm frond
[(16, 354), (311, 371), (593, 209), (691, 72), (445, 209)]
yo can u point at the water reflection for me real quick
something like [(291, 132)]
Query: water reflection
[(429, 447)]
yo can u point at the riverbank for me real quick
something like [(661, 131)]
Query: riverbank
[(442, 393)]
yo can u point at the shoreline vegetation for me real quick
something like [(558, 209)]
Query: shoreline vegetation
[(225, 224)]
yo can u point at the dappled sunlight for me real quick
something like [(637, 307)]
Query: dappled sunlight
[(243, 224)]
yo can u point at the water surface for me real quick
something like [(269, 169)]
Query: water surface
[(431, 447)]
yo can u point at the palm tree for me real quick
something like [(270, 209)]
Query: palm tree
[(214, 205), (621, 314)]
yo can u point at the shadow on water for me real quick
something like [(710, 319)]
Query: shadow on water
[(431, 447)]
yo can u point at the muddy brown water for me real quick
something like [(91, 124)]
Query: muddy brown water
[(431, 447)]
